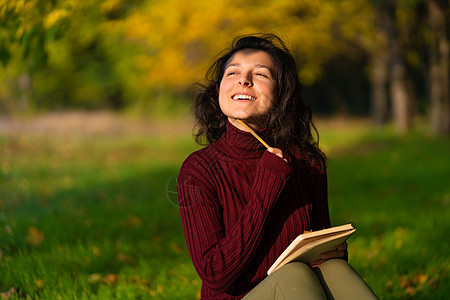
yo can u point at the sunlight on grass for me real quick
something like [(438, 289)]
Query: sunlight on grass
[(97, 217)]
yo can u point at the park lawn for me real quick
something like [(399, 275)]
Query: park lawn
[(97, 217)]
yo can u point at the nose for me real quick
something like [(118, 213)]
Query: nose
[(246, 80)]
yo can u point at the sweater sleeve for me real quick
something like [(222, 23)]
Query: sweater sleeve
[(220, 257)]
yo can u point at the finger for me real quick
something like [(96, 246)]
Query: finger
[(332, 254), (316, 263), (277, 152), (343, 246)]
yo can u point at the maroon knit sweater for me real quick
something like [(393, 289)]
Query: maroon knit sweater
[(240, 208)]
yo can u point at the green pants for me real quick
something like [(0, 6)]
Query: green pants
[(334, 279)]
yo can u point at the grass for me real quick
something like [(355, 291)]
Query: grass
[(397, 190), (96, 218)]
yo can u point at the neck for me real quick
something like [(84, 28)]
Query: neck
[(255, 126), (238, 143), (236, 124)]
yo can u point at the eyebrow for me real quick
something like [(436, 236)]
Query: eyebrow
[(257, 66)]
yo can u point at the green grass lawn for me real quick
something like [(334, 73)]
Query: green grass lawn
[(97, 217)]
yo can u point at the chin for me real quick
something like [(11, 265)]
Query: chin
[(238, 115)]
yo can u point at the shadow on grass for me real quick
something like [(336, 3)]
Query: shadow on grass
[(99, 237)]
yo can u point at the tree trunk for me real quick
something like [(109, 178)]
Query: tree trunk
[(378, 81), (439, 111), (401, 98), (380, 53), (24, 92)]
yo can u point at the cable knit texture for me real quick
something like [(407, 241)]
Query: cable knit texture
[(241, 206)]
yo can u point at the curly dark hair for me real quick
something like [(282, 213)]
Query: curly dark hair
[(289, 122)]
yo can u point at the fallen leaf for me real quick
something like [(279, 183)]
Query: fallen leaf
[(176, 248), (40, 283), (420, 279), (94, 278), (35, 236), (404, 282), (9, 294), (124, 258), (139, 281), (410, 290), (96, 251), (133, 221), (433, 283), (110, 278)]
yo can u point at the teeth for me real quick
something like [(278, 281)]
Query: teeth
[(243, 97)]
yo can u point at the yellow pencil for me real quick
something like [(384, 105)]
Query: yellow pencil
[(254, 133)]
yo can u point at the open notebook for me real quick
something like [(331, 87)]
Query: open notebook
[(308, 246)]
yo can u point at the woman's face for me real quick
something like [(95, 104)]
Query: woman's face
[(247, 89)]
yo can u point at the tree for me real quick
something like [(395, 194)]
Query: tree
[(118, 54), (25, 28), (379, 71), (61, 54), (87, 49), (439, 109)]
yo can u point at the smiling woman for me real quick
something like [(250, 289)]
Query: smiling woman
[(240, 204), (287, 121)]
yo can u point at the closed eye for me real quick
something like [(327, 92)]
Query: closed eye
[(262, 74)]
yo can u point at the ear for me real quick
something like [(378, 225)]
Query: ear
[(217, 87)]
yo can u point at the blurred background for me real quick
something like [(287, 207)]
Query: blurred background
[(95, 122), (383, 59)]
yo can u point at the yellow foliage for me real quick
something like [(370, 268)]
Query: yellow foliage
[(24, 6), (110, 5), (170, 43), (54, 17), (182, 37), (18, 5)]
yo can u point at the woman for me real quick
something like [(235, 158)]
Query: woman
[(240, 204)]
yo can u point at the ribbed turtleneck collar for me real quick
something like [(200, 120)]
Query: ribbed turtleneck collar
[(237, 143)]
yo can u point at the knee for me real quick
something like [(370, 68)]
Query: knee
[(295, 270), (334, 264), (298, 281)]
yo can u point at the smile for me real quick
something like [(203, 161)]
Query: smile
[(243, 97)]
